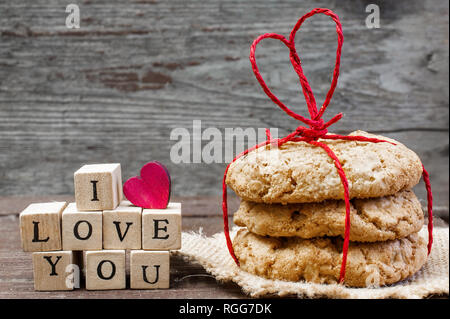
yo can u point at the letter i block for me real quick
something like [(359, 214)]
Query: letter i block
[(98, 186), (122, 227), (54, 271), (81, 230), (161, 228), (149, 269), (104, 269), (40, 226)]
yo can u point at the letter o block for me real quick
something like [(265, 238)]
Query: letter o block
[(81, 230), (161, 228), (98, 186), (105, 269)]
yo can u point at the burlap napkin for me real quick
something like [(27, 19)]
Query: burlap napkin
[(212, 254)]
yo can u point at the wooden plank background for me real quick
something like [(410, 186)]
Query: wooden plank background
[(113, 90)]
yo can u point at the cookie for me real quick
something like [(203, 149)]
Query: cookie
[(298, 172), (319, 260), (373, 219)]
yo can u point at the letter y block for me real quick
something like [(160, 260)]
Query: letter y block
[(54, 271)]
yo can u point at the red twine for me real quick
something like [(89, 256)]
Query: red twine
[(316, 129)]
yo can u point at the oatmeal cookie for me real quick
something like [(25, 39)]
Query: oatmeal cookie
[(298, 172)]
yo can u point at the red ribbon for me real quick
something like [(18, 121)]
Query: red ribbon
[(317, 129)]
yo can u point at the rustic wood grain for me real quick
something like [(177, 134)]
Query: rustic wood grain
[(113, 90)]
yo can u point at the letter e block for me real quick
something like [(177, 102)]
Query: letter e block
[(81, 230), (104, 269), (98, 186), (149, 269), (52, 272), (40, 226), (122, 227), (161, 228)]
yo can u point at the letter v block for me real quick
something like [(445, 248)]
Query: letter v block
[(104, 269), (161, 228), (54, 270), (98, 186), (149, 269), (81, 230), (40, 226), (122, 227)]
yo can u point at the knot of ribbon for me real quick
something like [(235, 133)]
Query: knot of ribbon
[(317, 129), (311, 133)]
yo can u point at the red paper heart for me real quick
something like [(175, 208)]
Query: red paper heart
[(151, 189)]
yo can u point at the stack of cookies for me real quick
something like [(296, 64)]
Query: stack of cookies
[(294, 211)]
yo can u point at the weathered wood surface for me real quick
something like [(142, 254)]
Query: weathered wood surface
[(187, 280), (113, 90)]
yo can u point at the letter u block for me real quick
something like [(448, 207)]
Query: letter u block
[(98, 186), (55, 270), (81, 230), (40, 226), (104, 269), (161, 228), (149, 269)]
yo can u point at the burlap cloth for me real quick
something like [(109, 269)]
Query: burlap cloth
[(212, 254)]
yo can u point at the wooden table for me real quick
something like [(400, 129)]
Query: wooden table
[(187, 280)]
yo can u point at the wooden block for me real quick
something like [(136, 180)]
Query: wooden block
[(98, 186), (122, 227), (52, 272), (40, 226), (104, 269), (149, 269), (161, 228), (81, 230)]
